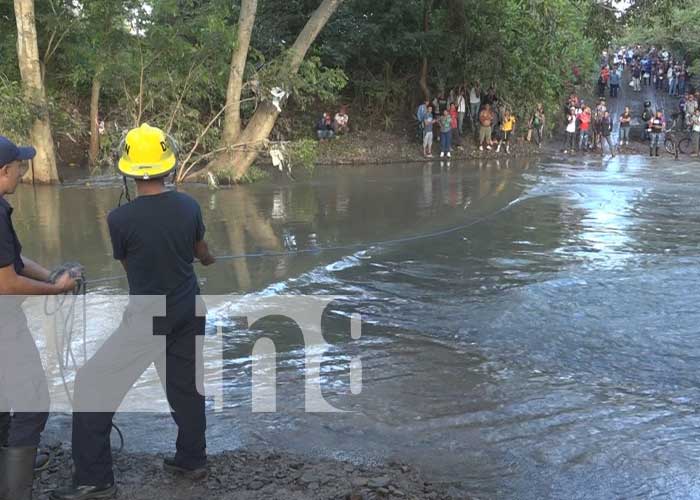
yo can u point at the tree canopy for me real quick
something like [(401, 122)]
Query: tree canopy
[(168, 62)]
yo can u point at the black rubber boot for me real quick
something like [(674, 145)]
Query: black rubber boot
[(16, 473), (3, 476), (4, 428)]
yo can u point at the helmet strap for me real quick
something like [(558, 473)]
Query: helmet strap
[(125, 192)]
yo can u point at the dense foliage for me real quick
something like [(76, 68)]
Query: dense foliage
[(167, 61)]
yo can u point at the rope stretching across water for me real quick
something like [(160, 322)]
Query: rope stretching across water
[(334, 248), (82, 290)]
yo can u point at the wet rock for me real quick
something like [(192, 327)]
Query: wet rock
[(454, 492), (379, 482), (309, 477), (255, 485), (359, 482)]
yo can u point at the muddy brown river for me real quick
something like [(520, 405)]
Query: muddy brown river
[(542, 341)]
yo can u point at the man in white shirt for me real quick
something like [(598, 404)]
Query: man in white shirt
[(695, 131), (341, 121), (461, 110), (475, 102)]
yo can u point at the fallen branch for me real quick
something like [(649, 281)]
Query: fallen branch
[(184, 169)]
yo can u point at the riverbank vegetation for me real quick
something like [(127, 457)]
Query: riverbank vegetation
[(228, 79)]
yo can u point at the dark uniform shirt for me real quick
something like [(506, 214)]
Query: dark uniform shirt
[(10, 248), (156, 235)]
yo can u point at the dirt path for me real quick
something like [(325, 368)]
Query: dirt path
[(635, 100)]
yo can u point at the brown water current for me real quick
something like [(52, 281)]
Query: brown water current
[(547, 348)]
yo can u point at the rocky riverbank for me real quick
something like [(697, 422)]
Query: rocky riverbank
[(253, 475)]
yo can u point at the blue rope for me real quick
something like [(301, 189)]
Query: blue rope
[(352, 246)]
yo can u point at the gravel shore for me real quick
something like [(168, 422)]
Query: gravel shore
[(248, 475)]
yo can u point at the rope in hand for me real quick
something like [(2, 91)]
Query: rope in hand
[(64, 346)]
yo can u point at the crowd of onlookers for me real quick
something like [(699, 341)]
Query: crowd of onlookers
[(658, 69), (591, 127), (445, 118)]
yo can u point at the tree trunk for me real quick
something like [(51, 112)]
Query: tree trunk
[(238, 159), (423, 79), (94, 151), (44, 166), (232, 118)]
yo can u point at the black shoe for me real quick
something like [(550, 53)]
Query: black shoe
[(41, 462), (196, 474), (84, 492)]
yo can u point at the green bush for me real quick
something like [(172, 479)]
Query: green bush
[(16, 117)]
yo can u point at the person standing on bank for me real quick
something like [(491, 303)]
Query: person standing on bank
[(461, 110), (23, 386), (625, 122), (606, 128), (156, 237), (695, 132), (656, 127), (446, 134)]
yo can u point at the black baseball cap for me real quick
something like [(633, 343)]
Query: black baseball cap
[(10, 152)]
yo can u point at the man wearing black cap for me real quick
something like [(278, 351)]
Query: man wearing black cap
[(23, 387)]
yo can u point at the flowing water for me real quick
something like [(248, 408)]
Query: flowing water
[(548, 347)]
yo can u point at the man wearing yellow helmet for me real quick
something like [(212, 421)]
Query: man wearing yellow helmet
[(156, 237)]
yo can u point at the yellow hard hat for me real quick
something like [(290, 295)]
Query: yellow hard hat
[(147, 153)]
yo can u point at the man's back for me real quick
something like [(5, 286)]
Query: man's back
[(155, 236)]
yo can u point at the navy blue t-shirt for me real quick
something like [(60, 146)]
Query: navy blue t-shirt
[(155, 235), (10, 248)]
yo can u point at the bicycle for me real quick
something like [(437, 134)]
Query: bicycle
[(676, 136)]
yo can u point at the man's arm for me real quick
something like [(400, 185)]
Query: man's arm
[(34, 271), (13, 284), (201, 252)]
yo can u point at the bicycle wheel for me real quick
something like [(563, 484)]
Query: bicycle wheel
[(684, 146), (669, 146)]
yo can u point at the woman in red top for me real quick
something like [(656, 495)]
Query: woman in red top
[(584, 119)]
